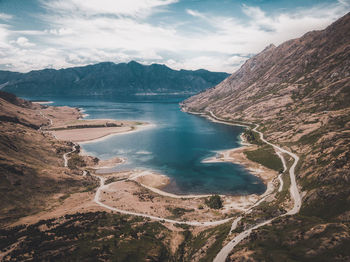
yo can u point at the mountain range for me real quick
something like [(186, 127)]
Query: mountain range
[(106, 79), (299, 94)]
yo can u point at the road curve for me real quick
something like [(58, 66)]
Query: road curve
[(293, 187), (225, 251), (51, 123), (66, 154), (284, 170), (121, 211)]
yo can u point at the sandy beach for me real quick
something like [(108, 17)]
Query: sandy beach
[(42, 102), (237, 156), (68, 126), (89, 134)]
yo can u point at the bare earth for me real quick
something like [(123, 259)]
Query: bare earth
[(88, 134)]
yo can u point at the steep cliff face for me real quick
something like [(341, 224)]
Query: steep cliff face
[(109, 79), (299, 93)]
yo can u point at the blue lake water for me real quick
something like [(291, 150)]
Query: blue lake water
[(175, 147)]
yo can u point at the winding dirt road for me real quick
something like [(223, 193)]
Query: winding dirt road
[(190, 223), (65, 158), (225, 251), (51, 123), (284, 170)]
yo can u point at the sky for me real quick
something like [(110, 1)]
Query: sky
[(217, 35)]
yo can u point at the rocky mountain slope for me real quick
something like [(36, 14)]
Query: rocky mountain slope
[(299, 93), (32, 175), (109, 79)]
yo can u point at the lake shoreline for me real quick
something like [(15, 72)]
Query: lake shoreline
[(235, 156), (139, 191)]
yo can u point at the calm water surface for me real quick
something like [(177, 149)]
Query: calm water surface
[(175, 147)]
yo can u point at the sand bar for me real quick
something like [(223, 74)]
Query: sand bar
[(88, 134)]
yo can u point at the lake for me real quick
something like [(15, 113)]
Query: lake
[(175, 147)]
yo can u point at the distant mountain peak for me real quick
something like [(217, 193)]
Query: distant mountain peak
[(133, 62), (108, 78), (269, 47)]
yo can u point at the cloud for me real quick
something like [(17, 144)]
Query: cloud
[(4, 16), (194, 13), (80, 32), (344, 2), (228, 63), (23, 42), (112, 7)]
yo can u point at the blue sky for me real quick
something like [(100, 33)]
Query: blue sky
[(217, 35)]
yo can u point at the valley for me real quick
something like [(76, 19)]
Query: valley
[(140, 162)]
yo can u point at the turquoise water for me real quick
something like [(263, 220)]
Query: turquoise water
[(175, 147)]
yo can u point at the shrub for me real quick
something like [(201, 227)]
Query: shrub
[(214, 202)]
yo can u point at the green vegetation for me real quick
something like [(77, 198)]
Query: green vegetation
[(178, 211), (329, 206), (90, 187), (252, 137), (88, 126), (75, 161), (113, 179), (94, 236), (266, 156), (214, 202), (284, 194), (278, 241), (206, 244)]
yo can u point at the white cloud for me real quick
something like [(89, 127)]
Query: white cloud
[(60, 31), (23, 42), (112, 7), (4, 35), (227, 63), (4, 16), (194, 13), (82, 32), (344, 2)]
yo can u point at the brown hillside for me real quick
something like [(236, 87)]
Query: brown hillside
[(31, 164), (299, 93)]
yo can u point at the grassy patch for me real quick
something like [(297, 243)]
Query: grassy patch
[(329, 205), (89, 188), (178, 211), (266, 156), (278, 242), (284, 194), (215, 236)]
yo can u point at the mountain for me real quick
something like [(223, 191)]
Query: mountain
[(32, 176), (109, 79), (299, 94)]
